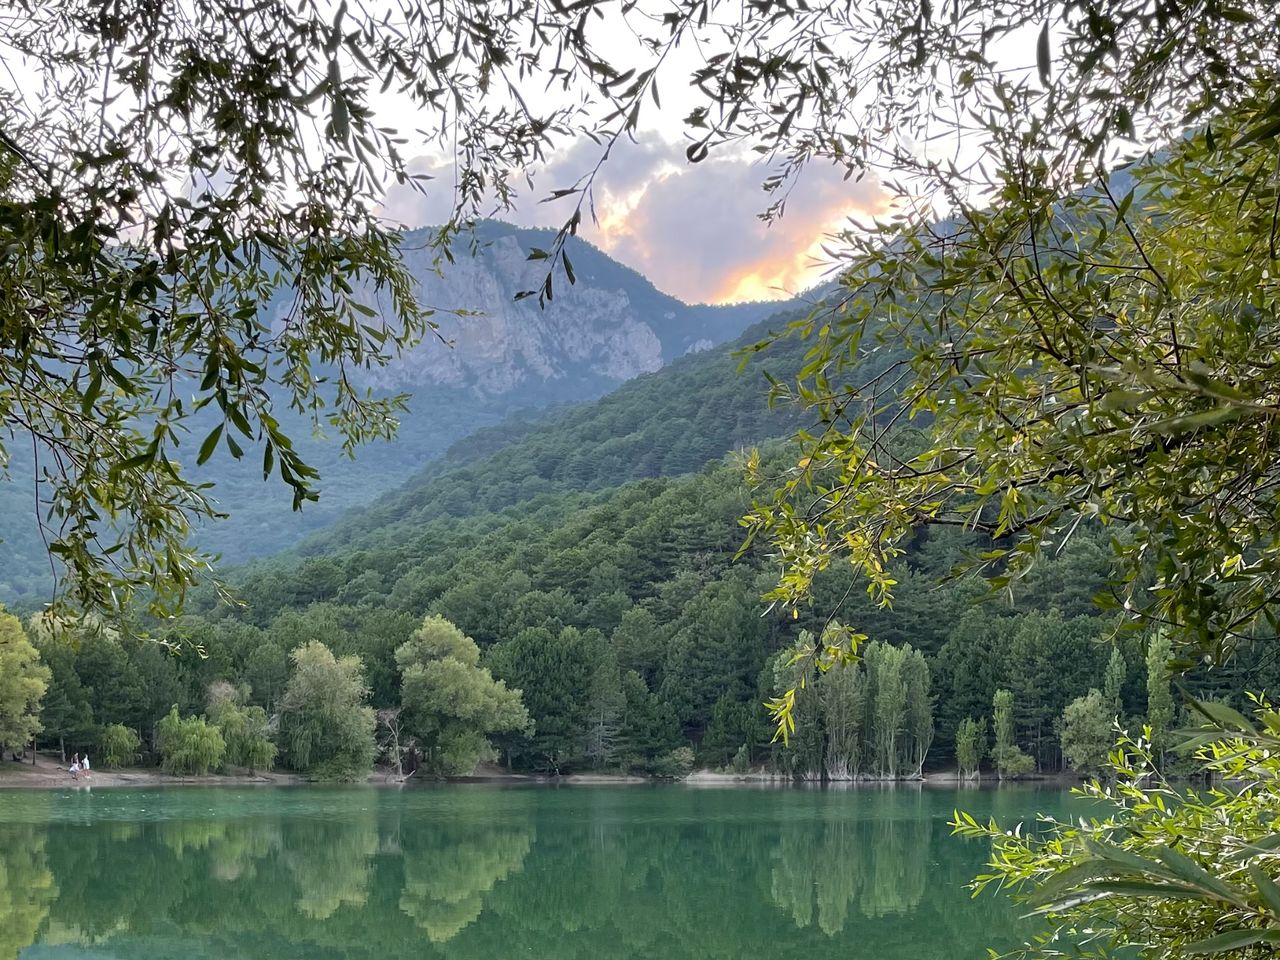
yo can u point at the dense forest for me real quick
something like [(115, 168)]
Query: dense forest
[(564, 593)]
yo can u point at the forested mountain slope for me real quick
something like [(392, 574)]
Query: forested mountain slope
[(502, 356), (665, 423), (612, 599), (590, 552)]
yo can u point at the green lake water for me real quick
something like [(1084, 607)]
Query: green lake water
[(590, 872)]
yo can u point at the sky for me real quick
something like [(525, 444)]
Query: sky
[(691, 229), (694, 229)]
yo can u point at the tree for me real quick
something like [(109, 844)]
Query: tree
[(191, 746), (638, 642), (1009, 759), (734, 725), (1159, 694), (452, 704), (266, 672), (889, 708), (1035, 453), (1113, 682), (1087, 732), (65, 711), (647, 729), (802, 757), (971, 746), (326, 727), (23, 681), (844, 717), (118, 223), (245, 728), (1134, 877), (553, 672), (118, 745), (606, 701), (919, 719)]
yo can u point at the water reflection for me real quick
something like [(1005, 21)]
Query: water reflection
[(447, 875), (467, 873), (27, 887), (877, 866)]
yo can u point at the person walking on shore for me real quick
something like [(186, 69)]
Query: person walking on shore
[(75, 767), (84, 767)]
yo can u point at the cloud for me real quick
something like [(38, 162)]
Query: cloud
[(692, 229)]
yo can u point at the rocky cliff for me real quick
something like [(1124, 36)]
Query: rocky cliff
[(609, 326)]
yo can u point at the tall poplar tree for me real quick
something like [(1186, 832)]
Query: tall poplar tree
[(1159, 691)]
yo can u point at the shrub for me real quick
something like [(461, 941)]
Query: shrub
[(1012, 762), (741, 761), (674, 764)]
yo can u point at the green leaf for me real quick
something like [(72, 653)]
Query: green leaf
[(1147, 888), (1232, 940), (1267, 889), (1190, 422), (210, 444), (1263, 131), (1187, 869), (1126, 858), (1222, 716), (1069, 881)]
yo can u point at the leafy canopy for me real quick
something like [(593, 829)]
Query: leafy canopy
[(189, 198), (326, 725), (23, 682), (1177, 872), (451, 703)]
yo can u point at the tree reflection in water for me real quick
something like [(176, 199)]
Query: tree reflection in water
[(475, 874), (27, 887)]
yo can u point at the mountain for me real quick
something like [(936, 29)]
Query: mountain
[(592, 554), (609, 326), (505, 356), (664, 424)]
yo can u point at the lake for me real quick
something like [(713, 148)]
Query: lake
[(483, 872)]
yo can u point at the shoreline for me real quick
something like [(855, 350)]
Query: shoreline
[(51, 775)]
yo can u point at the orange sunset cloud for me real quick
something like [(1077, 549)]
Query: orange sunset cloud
[(692, 229)]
